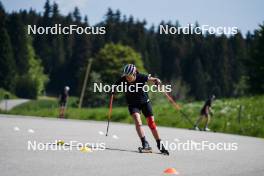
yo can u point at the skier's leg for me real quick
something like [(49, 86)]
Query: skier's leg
[(198, 121), (140, 130), (153, 127), (147, 111), (207, 121), (61, 112), (138, 124), (155, 133)]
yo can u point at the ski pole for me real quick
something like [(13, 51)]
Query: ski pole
[(109, 113), (177, 107), (186, 117)]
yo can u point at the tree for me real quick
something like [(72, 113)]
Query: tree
[(256, 62), (42, 43), (238, 55), (47, 10), (223, 65), (19, 41), (111, 59), (91, 98), (7, 63), (31, 83), (198, 83), (36, 70), (76, 15)]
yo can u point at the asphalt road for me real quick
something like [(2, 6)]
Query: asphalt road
[(122, 157), (10, 104)]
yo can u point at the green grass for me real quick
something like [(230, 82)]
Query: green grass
[(225, 119)]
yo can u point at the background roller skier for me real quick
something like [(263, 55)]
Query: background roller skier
[(138, 101), (205, 113), (63, 97)]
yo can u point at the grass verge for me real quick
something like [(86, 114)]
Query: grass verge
[(242, 116)]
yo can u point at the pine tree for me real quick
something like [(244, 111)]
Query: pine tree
[(47, 11), (76, 15), (19, 42), (198, 83), (78, 62), (256, 63), (42, 43), (7, 63)]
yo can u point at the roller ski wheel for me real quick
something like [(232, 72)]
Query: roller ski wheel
[(144, 150)]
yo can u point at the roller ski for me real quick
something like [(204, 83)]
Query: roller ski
[(145, 148), (196, 128), (206, 129)]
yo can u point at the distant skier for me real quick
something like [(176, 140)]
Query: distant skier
[(138, 101), (205, 113), (63, 98)]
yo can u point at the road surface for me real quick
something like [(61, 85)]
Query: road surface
[(10, 104), (122, 158)]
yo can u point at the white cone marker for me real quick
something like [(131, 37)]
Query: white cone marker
[(31, 131), (16, 128), (177, 140), (101, 133), (115, 137)]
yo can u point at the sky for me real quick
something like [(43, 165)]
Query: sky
[(244, 14)]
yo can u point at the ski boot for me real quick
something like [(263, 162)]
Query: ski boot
[(162, 148), (145, 148)]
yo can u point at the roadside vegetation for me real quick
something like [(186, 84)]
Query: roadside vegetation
[(242, 116)]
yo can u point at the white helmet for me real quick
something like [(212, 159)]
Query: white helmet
[(67, 88), (129, 69)]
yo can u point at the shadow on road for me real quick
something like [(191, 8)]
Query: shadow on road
[(106, 148)]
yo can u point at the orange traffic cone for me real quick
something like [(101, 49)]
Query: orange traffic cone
[(171, 171)]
